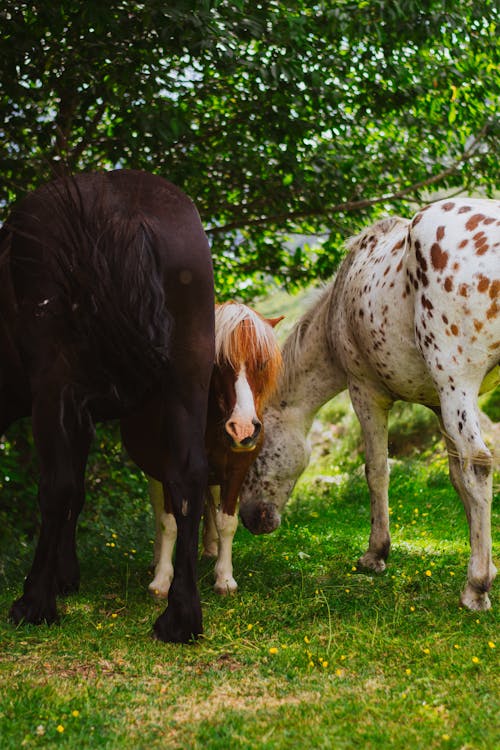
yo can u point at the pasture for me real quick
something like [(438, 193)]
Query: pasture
[(308, 654)]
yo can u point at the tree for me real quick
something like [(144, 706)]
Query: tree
[(278, 119)]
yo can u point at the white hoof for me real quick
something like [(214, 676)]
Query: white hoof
[(211, 550), (372, 562), (159, 588), (225, 586), (477, 601)]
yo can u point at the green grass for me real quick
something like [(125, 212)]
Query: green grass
[(308, 654)]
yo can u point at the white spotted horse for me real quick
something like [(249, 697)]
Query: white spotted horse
[(413, 314), (247, 364), (107, 302)]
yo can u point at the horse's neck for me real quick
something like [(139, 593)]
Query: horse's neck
[(313, 378)]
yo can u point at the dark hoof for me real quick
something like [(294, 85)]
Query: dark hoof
[(262, 518), (172, 629), (68, 587), (28, 610)]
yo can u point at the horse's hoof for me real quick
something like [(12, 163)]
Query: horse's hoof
[(477, 601), (211, 551), (369, 561), (158, 591), (64, 588), (26, 610), (170, 629), (226, 587)]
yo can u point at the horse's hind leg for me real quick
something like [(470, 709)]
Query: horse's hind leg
[(68, 568), (372, 411), (62, 438), (470, 464)]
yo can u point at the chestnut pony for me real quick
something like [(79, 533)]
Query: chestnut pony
[(107, 302), (247, 364)]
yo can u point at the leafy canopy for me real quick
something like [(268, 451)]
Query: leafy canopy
[(279, 119)]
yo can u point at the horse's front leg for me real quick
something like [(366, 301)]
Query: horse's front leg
[(210, 533), (165, 537), (372, 412), (62, 438), (226, 522)]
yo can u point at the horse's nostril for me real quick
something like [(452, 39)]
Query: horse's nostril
[(257, 429), (250, 440)]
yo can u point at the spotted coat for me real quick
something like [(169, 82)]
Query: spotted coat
[(413, 314)]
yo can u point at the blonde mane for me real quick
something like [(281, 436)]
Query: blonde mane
[(243, 335)]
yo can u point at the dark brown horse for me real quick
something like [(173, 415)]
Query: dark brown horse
[(247, 364), (106, 303)]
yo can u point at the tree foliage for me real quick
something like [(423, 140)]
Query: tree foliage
[(279, 119)]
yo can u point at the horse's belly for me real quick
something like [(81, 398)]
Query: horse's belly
[(378, 338), (395, 366)]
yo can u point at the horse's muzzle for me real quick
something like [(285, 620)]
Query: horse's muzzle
[(247, 444), (261, 518)]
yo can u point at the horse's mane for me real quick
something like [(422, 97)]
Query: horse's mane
[(317, 314), (242, 335)]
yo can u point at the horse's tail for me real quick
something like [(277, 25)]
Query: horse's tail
[(5, 237), (106, 263)]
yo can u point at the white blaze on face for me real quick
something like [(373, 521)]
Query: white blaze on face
[(241, 423)]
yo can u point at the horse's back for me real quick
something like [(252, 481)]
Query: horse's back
[(55, 209)]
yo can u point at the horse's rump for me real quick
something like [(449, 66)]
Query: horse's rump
[(90, 257)]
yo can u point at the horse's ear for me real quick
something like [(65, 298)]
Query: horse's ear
[(274, 321)]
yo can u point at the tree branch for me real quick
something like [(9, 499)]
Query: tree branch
[(354, 205)]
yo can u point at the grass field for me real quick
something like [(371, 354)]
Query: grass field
[(309, 653)]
